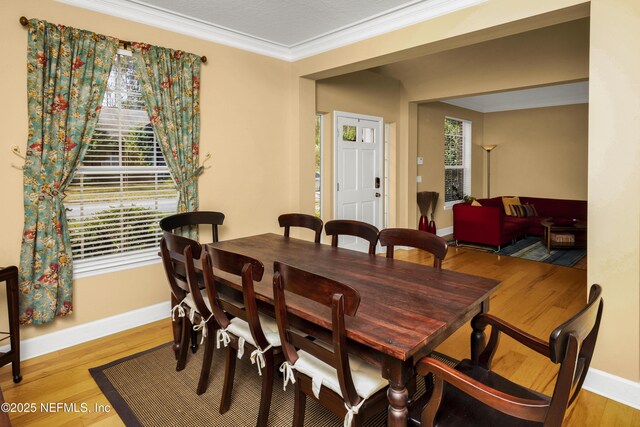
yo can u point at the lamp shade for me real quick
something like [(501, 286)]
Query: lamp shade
[(488, 147)]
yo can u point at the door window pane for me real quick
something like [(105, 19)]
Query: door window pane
[(349, 133)]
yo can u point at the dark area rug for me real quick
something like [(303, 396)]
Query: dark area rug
[(146, 390), (533, 249)]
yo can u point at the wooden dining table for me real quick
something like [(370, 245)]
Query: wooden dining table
[(406, 309)]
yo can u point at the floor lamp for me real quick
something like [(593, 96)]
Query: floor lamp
[(488, 149)]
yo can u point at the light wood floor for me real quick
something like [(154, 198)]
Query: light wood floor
[(534, 296)]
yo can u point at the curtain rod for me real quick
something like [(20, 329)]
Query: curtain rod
[(125, 44)]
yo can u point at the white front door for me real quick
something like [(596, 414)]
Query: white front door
[(358, 172)]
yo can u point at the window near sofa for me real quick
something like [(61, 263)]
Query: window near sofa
[(123, 186), (457, 160)]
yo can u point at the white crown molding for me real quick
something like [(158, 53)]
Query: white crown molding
[(377, 25), (43, 344), (371, 27), (179, 24)]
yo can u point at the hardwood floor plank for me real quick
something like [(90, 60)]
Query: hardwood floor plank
[(534, 296)]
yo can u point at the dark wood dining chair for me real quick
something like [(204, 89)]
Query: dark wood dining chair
[(435, 245), (348, 227), (172, 249), (344, 384), (301, 220), (185, 219), (242, 328), (200, 306), (174, 222), (473, 394)]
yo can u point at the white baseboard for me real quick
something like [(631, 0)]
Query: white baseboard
[(37, 346), (441, 232), (445, 231), (612, 387)]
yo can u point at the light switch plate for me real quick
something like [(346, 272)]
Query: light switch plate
[(418, 178), (420, 160)]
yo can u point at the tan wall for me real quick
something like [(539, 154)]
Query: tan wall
[(431, 147), (245, 119), (360, 93), (483, 22), (614, 183), (257, 117), (613, 179), (549, 55), (542, 152), (445, 32)]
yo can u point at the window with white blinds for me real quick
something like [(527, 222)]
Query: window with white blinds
[(123, 187), (457, 160)]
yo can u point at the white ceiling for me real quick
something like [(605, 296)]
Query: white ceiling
[(547, 96), (285, 29), (283, 22)]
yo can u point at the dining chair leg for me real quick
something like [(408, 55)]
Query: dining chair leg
[(176, 328), (209, 345), (194, 341), (411, 388), (299, 405), (229, 372), (184, 343), (267, 390)]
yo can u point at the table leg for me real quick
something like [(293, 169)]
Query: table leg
[(398, 373), (176, 328), (478, 337)]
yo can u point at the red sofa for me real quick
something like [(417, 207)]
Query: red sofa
[(489, 225)]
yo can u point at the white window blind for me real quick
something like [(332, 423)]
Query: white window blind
[(457, 160), (123, 186)]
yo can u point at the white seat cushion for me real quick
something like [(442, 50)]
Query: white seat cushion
[(192, 305), (366, 377), (240, 328)]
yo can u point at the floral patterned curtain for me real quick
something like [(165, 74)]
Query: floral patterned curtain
[(67, 72), (170, 81)]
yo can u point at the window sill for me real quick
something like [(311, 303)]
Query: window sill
[(84, 271), (449, 205)]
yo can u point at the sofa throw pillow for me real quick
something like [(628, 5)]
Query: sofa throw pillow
[(531, 210), (519, 210), (508, 202), (475, 203)]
